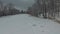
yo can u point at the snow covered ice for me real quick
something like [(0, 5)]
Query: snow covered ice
[(26, 24)]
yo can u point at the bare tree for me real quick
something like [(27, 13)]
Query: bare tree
[(1, 8)]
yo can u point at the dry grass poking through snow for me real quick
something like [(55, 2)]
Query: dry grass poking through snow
[(55, 19), (50, 17)]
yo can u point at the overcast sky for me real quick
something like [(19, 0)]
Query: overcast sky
[(21, 4)]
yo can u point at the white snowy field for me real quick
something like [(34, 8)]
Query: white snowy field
[(26, 24)]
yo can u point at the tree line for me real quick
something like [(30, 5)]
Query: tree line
[(48, 8), (8, 9)]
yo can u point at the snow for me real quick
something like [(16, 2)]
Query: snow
[(26, 24)]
